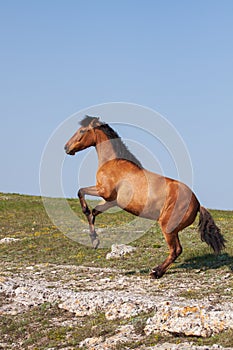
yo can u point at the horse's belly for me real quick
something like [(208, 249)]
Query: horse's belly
[(144, 201), (150, 210)]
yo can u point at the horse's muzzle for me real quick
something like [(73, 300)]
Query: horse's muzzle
[(66, 148), (68, 151)]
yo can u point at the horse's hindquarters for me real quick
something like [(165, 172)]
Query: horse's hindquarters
[(180, 209)]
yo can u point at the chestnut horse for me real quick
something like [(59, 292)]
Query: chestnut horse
[(122, 181)]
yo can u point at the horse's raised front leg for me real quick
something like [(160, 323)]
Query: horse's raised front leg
[(92, 191), (102, 208), (91, 215)]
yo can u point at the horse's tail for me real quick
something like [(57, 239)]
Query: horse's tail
[(209, 231)]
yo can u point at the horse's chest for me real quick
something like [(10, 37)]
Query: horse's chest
[(106, 187)]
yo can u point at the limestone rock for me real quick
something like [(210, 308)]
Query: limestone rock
[(191, 320), (119, 250), (86, 291), (123, 335)]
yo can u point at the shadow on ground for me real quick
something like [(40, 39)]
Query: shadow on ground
[(208, 261)]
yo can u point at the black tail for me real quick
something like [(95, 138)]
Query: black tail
[(209, 231)]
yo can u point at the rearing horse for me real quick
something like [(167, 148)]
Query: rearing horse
[(122, 181)]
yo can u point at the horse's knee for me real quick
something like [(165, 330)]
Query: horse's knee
[(94, 212), (80, 194)]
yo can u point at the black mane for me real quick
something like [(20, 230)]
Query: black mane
[(122, 152)]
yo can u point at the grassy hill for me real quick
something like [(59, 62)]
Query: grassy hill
[(24, 217), (38, 243)]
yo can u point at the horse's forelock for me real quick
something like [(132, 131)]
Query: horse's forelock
[(87, 120)]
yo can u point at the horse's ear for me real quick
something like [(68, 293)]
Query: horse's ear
[(95, 122)]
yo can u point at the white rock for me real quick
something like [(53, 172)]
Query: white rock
[(119, 250), (7, 240), (123, 335), (191, 320), (90, 342)]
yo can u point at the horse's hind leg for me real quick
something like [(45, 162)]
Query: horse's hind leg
[(175, 250)]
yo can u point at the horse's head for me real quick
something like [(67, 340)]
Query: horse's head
[(84, 137)]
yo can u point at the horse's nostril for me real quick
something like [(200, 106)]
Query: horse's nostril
[(66, 148)]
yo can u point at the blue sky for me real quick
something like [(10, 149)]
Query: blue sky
[(58, 57)]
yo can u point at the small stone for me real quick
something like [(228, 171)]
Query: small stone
[(119, 250), (8, 240)]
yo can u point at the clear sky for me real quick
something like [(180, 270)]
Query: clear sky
[(58, 57)]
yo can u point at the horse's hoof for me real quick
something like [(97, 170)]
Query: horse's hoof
[(95, 243), (94, 240), (155, 274)]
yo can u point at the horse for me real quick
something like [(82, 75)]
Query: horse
[(122, 181)]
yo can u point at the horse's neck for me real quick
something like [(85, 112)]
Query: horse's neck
[(104, 148)]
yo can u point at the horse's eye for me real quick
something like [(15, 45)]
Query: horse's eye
[(82, 131)]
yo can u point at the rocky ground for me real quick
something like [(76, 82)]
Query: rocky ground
[(175, 304)]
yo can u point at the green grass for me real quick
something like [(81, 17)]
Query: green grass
[(36, 328), (25, 218)]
